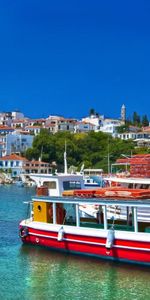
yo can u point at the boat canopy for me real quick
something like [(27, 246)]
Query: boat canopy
[(96, 201)]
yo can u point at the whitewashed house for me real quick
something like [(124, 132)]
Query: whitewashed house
[(12, 164), (15, 143), (16, 166)]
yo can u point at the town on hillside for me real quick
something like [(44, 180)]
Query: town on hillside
[(17, 133)]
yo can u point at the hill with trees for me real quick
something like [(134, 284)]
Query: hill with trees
[(94, 149)]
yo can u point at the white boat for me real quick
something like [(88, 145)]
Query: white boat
[(129, 187), (90, 182), (59, 182), (129, 182)]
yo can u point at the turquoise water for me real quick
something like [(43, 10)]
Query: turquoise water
[(28, 272)]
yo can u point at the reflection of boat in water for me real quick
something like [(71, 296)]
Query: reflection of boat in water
[(55, 222)]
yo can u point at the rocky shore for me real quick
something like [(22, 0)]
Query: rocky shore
[(4, 179)]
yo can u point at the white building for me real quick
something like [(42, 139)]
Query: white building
[(126, 135), (5, 119), (106, 125), (123, 113), (14, 143), (83, 127), (12, 164), (15, 166), (94, 120), (57, 123), (17, 115), (33, 130), (110, 125)]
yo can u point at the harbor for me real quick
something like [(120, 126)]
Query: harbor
[(75, 150), (38, 273)]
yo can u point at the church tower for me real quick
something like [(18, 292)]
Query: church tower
[(123, 113)]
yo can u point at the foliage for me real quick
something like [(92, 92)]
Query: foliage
[(92, 112), (92, 149), (145, 121), (123, 128), (136, 121), (37, 124), (140, 121)]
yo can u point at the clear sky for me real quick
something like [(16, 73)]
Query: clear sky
[(65, 57)]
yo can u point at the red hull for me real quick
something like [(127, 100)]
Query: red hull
[(123, 250)]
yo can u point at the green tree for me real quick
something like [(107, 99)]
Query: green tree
[(92, 112), (145, 121), (123, 128), (90, 148), (136, 119)]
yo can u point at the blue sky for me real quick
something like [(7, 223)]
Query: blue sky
[(66, 57)]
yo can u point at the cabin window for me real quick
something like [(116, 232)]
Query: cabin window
[(39, 208), (71, 185), (50, 184)]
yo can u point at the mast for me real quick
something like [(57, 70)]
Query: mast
[(65, 159)]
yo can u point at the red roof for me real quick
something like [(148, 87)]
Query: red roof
[(32, 126), (37, 162), (3, 127), (13, 157)]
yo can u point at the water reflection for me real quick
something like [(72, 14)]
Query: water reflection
[(53, 275)]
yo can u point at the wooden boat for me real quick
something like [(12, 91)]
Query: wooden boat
[(55, 222)]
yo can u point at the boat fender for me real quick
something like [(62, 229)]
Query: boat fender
[(23, 232), (60, 234), (110, 240)]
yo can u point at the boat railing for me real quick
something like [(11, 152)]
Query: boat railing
[(129, 223)]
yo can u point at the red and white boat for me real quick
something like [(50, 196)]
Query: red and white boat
[(56, 222)]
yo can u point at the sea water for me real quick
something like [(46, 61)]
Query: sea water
[(29, 272)]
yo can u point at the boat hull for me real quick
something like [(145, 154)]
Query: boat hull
[(123, 249)]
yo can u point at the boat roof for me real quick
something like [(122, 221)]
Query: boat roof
[(128, 180), (55, 176), (98, 201)]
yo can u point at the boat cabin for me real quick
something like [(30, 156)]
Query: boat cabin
[(58, 183), (120, 214)]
